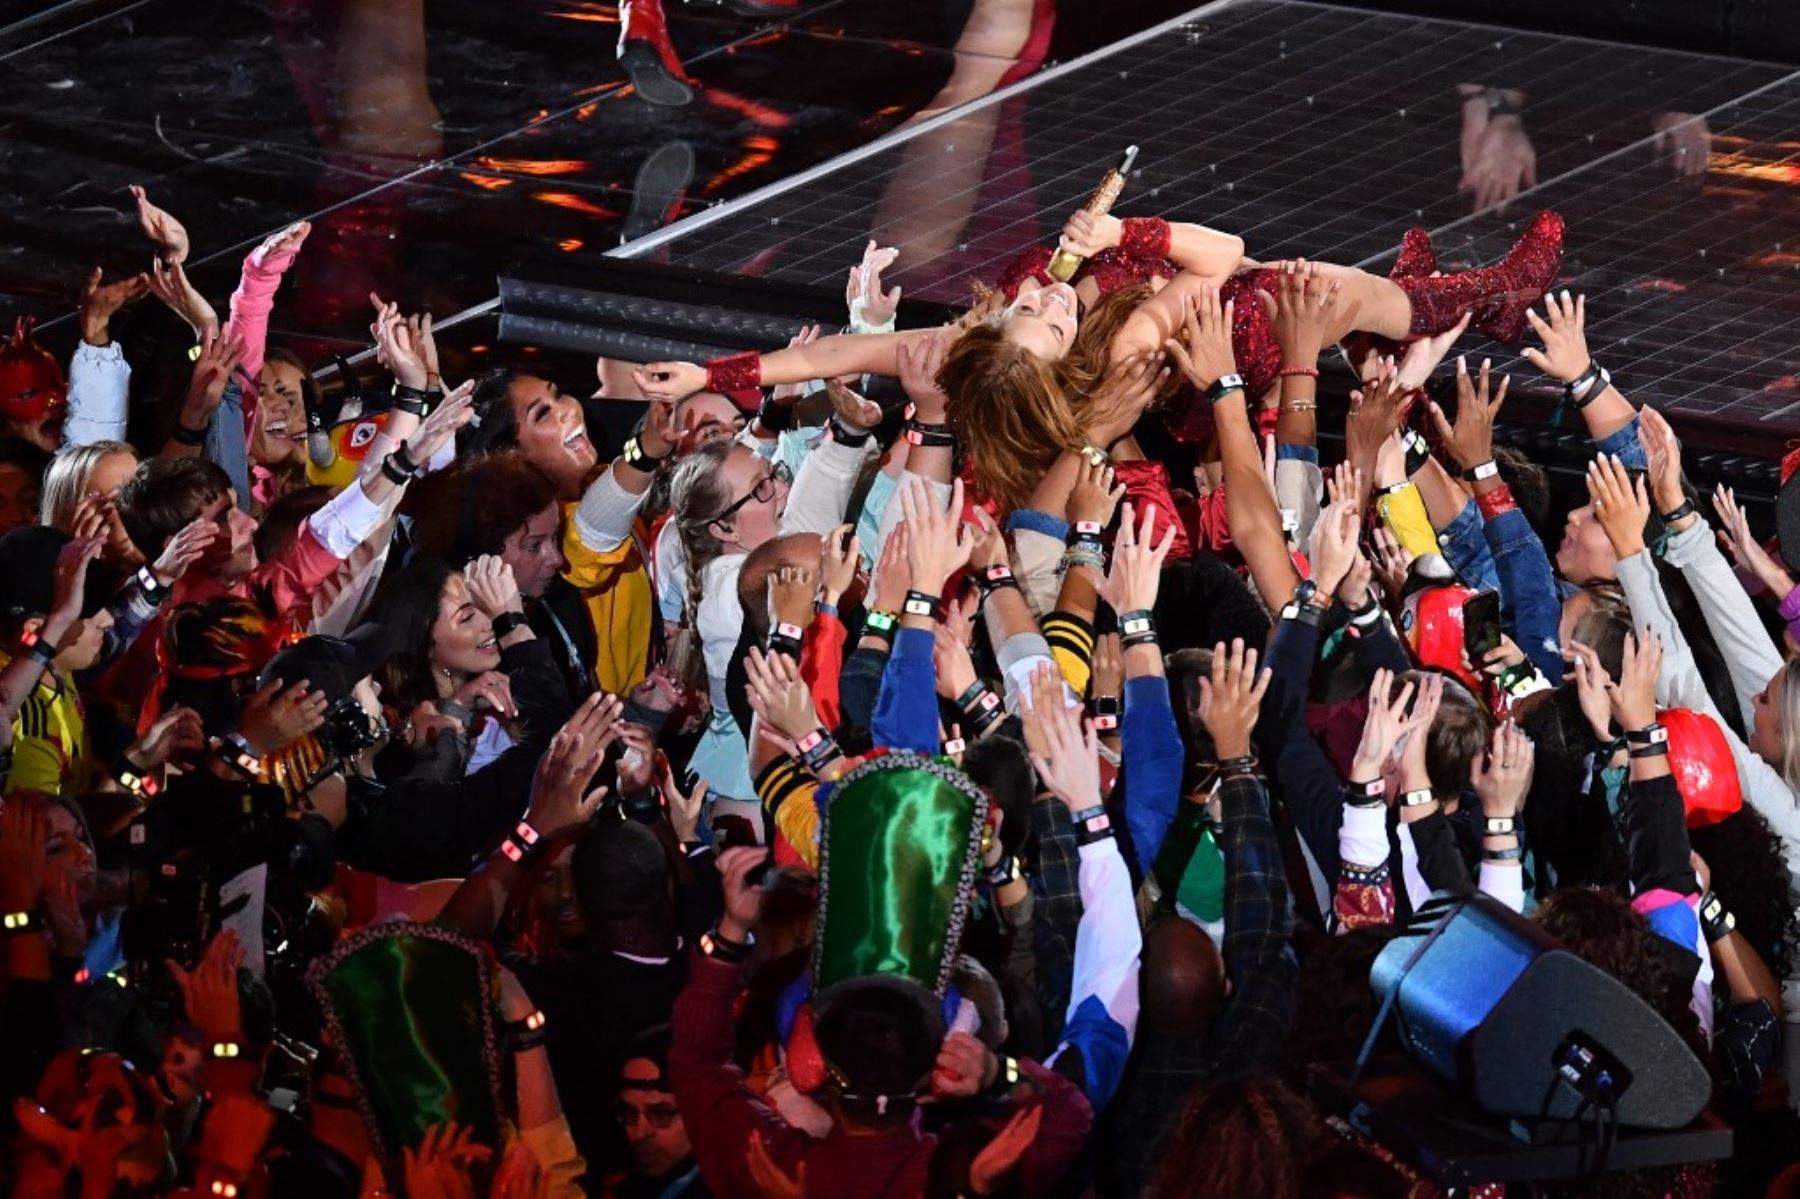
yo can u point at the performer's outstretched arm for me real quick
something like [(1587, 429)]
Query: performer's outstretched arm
[(826, 358)]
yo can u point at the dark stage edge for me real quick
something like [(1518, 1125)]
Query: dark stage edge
[(1326, 132)]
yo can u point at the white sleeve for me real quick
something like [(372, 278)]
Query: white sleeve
[(822, 488), (1108, 941), (1505, 883), (348, 519), (1362, 837), (1297, 487), (99, 383), (604, 517), (1679, 685), (1750, 656)]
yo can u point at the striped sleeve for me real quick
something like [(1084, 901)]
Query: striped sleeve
[(790, 796), (1072, 645)]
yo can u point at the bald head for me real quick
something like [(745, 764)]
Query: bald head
[(1183, 979), (795, 549)]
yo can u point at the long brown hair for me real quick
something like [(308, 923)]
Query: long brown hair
[(1016, 412)]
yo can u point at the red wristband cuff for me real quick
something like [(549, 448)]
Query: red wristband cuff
[(1144, 237), (1493, 503), (736, 372)]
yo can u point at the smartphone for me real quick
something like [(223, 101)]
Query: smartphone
[(730, 832), (1481, 625)]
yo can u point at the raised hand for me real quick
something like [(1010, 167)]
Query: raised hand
[(1135, 576), (219, 357), (779, 695), (955, 668), (839, 560), (1108, 676), (1662, 450), (1069, 762), (855, 412), (892, 572), (863, 294), (1424, 710), (964, 1066), (1127, 389), (1001, 1156), (772, 1182), (184, 549), (177, 731), (1502, 775), (1302, 310), (440, 1166), (278, 715), (278, 249), (1392, 561), (169, 283), (394, 346), (938, 543), (1086, 234), (669, 381), (419, 328), (168, 233), (1562, 329), (1745, 548), (560, 797), (921, 359), (990, 543), (1334, 547), (69, 588), (1621, 504), (1095, 497), (101, 301), (1204, 353), (743, 899), (787, 393), (683, 807), (1593, 687), (1376, 413), (492, 586), (1634, 699), (1470, 441), (1386, 723), (792, 591), (1422, 356), (1231, 698), (489, 691), (440, 425), (210, 993)]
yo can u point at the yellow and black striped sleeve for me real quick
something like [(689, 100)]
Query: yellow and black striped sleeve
[(1071, 641), (789, 796)]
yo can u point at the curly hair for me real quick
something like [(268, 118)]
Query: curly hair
[(1248, 1137), (1750, 875)]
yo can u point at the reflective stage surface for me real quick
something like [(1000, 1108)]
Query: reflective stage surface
[(436, 146)]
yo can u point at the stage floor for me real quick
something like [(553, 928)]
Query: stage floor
[(1325, 132)]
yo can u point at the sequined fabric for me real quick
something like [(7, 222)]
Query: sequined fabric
[(1498, 295), (1147, 483), (735, 372), (1144, 237)]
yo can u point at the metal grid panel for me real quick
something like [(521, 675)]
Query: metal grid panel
[(1326, 132)]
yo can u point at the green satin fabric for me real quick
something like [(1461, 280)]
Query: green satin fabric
[(896, 846), (411, 1012)]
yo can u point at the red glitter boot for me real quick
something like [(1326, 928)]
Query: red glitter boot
[(648, 55), (1417, 258), (1498, 295)]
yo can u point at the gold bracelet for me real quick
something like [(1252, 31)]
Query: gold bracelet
[(1301, 406)]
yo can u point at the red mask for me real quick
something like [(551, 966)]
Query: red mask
[(31, 382)]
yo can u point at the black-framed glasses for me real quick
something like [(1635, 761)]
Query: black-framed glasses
[(660, 1115), (762, 493)]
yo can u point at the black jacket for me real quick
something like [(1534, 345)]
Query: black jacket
[(412, 830)]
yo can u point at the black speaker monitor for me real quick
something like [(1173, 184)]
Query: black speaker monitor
[(1529, 1030)]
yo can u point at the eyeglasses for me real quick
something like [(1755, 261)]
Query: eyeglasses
[(660, 1115), (763, 492)]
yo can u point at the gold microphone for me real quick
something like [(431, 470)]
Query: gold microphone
[(1063, 264)]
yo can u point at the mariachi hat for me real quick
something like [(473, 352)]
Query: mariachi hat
[(406, 1007), (1705, 772), (31, 381), (899, 848)]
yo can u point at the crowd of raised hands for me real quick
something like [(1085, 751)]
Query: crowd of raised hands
[(298, 684)]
